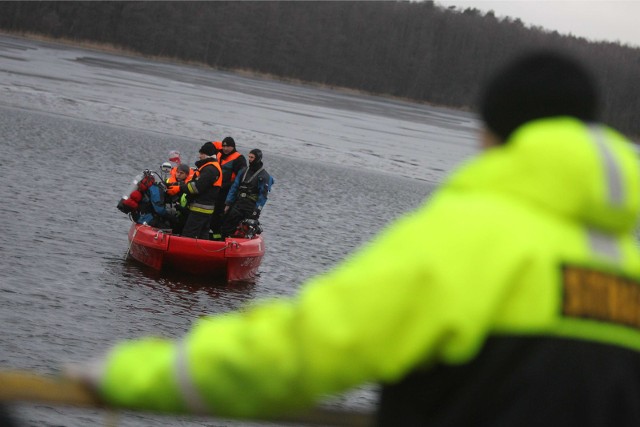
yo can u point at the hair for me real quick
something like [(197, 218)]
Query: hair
[(536, 85), (208, 148)]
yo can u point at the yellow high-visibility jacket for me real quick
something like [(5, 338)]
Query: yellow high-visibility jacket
[(534, 238)]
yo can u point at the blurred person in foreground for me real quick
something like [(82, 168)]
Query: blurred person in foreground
[(518, 305)]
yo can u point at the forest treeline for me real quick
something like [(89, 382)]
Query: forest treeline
[(415, 50)]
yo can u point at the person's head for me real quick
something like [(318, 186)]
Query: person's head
[(174, 158), (228, 145), (182, 172), (537, 85), (166, 167), (207, 150), (255, 156)]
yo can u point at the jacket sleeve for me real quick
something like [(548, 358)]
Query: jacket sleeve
[(157, 200), (424, 290), (239, 164), (207, 177), (266, 182), (233, 191)]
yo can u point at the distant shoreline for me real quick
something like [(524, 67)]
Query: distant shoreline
[(109, 48)]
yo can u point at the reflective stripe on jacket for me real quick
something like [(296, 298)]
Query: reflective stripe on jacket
[(203, 189), (506, 247)]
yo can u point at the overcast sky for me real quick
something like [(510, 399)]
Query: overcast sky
[(596, 20)]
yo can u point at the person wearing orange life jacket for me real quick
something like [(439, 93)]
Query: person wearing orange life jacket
[(231, 162), (202, 192), (174, 178), (176, 199), (175, 159), (217, 145), (173, 186)]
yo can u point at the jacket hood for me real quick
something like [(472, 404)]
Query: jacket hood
[(207, 159), (585, 172)]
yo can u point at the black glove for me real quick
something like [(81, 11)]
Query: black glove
[(123, 208)]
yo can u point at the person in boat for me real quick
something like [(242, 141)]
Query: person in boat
[(217, 145), (510, 297), (175, 160), (146, 202), (176, 199), (248, 194), (231, 162), (152, 209), (201, 193)]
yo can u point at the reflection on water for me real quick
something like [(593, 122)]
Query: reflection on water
[(186, 291)]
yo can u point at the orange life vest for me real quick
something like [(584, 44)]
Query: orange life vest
[(175, 189), (172, 177), (218, 182), (231, 157)]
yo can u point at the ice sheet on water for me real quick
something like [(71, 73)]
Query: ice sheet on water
[(406, 139)]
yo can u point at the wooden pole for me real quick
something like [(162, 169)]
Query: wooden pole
[(31, 387), (22, 386)]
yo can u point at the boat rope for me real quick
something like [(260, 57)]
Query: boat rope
[(131, 243), (228, 245)]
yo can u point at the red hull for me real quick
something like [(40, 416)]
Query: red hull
[(235, 259)]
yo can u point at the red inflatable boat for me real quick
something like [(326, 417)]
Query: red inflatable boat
[(235, 258)]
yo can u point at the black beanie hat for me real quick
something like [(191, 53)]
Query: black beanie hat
[(228, 141), (258, 153), (184, 168), (208, 149), (537, 85)]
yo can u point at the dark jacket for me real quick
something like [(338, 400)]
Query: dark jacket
[(152, 209), (231, 164), (203, 189), (253, 183)]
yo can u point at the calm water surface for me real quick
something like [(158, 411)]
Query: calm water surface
[(73, 138)]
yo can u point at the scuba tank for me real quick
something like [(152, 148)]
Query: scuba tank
[(132, 187), (129, 202)]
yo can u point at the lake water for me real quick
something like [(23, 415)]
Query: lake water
[(77, 125)]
